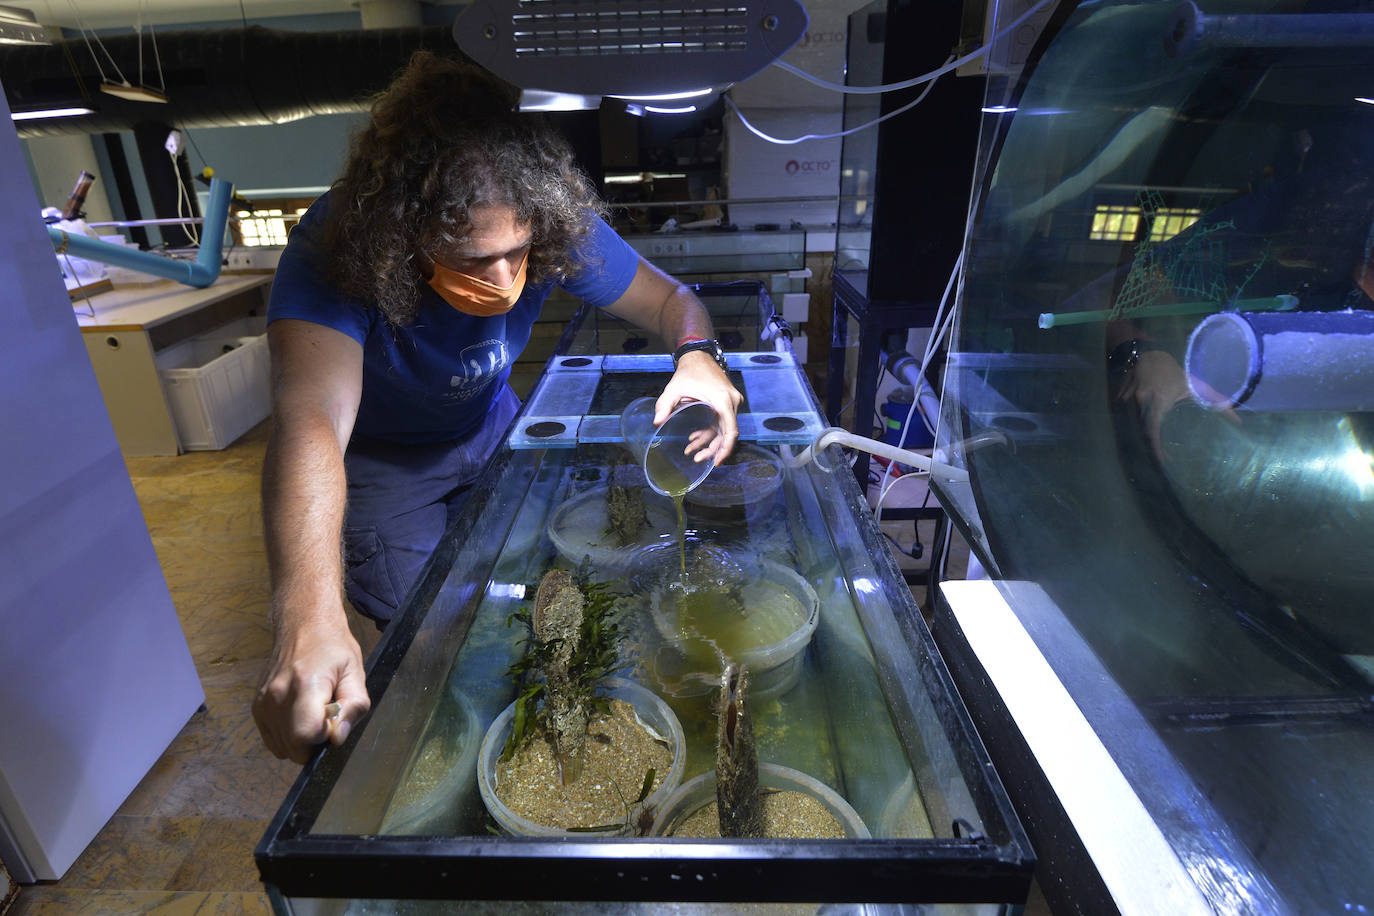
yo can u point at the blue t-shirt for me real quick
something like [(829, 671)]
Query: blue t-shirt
[(435, 379)]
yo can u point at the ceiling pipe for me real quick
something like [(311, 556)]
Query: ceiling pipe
[(215, 77)]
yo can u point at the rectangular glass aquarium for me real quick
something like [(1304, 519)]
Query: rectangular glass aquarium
[(775, 568), (1160, 389)]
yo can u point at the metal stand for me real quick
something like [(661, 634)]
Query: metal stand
[(873, 319)]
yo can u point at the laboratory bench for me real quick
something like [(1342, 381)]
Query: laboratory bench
[(126, 328)]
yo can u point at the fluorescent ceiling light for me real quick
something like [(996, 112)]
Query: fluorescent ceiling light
[(18, 27), (999, 109), (667, 96), (544, 100), (657, 110), (50, 113), (1366, 101)]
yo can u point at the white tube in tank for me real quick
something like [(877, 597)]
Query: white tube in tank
[(1283, 360)]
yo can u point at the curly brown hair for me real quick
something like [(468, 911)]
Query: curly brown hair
[(443, 138)]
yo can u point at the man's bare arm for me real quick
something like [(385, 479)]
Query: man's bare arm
[(316, 386), (657, 302)]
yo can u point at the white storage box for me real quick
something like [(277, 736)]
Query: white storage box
[(217, 384), (247, 326)]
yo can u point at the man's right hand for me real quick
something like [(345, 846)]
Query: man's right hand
[(1155, 385), (316, 386), (312, 665)]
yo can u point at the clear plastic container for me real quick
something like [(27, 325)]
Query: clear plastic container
[(661, 450), (653, 713), (579, 528), (428, 799), (747, 487), (780, 612), (700, 791)]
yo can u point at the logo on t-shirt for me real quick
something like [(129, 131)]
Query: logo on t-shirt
[(477, 366)]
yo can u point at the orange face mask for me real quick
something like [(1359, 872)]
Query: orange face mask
[(472, 296)]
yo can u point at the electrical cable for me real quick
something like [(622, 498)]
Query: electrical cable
[(847, 404), (951, 64), (228, 255), (782, 141), (184, 203), (917, 548), (944, 317), (203, 161), (878, 509), (896, 543), (939, 330), (940, 552)]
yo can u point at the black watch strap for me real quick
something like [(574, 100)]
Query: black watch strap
[(710, 346), (1126, 354)]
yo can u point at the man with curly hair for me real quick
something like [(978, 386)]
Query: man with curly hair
[(402, 299)]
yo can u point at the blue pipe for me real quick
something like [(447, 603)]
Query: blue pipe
[(199, 273)]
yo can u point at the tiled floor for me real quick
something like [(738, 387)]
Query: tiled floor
[(183, 842)]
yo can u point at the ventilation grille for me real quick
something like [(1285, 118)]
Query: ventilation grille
[(627, 47), (547, 28)]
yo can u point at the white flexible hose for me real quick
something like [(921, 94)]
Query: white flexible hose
[(837, 436)]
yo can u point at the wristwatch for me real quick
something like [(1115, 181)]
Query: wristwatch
[(1126, 354), (702, 343)]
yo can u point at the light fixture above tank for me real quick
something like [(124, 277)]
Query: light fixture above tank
[(126, 90), (41, 113), (639, 51), (19, 27)]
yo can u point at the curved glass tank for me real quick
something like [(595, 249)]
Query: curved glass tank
[(1162, 377)]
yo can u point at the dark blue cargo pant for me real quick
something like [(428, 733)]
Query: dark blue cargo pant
[(401, 499)]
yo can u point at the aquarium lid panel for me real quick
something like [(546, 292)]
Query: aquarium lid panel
[(571, 402), (566, 390)]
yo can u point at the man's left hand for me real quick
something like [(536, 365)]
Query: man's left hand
[(698, 378)]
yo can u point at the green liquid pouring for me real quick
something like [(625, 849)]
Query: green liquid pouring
[(672, 481)]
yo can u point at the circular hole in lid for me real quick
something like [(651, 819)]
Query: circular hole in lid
[(544, 429), (576, 361), (765, 358), (783, 424)]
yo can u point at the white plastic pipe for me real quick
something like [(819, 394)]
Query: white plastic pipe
[(1284, 360), (836, 436)]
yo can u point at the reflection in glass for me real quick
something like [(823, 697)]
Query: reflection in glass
[(1208, 527)]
